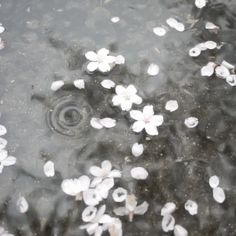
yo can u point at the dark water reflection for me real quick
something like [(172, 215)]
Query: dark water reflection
[(46, 40)]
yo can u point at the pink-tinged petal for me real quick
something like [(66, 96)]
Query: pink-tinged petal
[(136, 99), (95, 171), (106, 166), (141, 209), (92, 66), (117, 100), (148, 111), (96, 181), (85, 182), (138, 126), (121, 211), (136, 115), (131, 89), (151, 129), (103, 52), (91, 56), (104, 67), (157, 120), (120, 90), (126, 105), (114, 174)]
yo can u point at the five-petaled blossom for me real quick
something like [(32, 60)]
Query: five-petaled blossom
[(131, 208), (102, 61), (96, 220), (125, 97), (146, 120), (103, 172)]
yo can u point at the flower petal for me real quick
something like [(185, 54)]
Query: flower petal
[(141, 209), (108, 122), (84, 182), (120, 90), (106, 166), (214, 181), (89, 213), (121, 211), (114, 174), (139, 173), (138, 126), (168, 223), (157, 120), (108, 84), (91, 56), (56, 85), (148, 111), (22, 205), (92, 66), (103, 52), (71, 186), (3, 130), (104, 67), (219, 194), (95, 171), (131, 89), (48, 169), (171, 105), (119, 194), (126, 105), (168, 208), (180, 231), (91, 197), (191, 207), (151, 129), (79, 83), (95, 123), (136, 99), (9, 161), (137, 149)]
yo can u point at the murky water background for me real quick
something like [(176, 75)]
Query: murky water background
[(46, 40)]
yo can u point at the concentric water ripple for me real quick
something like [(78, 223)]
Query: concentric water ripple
[(69, 114)]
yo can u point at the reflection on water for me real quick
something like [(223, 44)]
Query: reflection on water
[(47, 40)]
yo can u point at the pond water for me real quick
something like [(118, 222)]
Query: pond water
[(46, 41)]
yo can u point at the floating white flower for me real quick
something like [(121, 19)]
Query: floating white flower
[(191, 207), (222, 72), (3, 143), (125, 97), (76, 187), (219, 194), (56, 85), (131, 208), (22, 205), (200, 3), (139, 173), (180, 231), (214, 181), (231, 80), (48, 168), (146, 120), (79, 83), (115, 19), (96, 220), (108, 84), (137, 149), (153, 69), (100, 123), (159, 31), (191, 122), (168, 208), (119, 194), (208, 70), (168, 223), (102, 61), (3, 130), (103, 172), (6, 160), (211, 26), (171, 105)]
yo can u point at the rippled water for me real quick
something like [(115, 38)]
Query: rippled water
[(45, 41)]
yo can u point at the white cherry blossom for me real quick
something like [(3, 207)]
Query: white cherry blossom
[(125, 97), (108, 84), (103, 172), (219, 194), (180, 231), (153, 69), (119, 194), (171, 105), (191, 122), (214, 181), (79, 83), (48, 168), (191, 207), (22, 205), (146, 120), (139, 173), (76, 187), (56, 85), (96, 221), (137, 149), (6, 160), (102, 61), (168, 223), (168, 208), (131, 208)]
